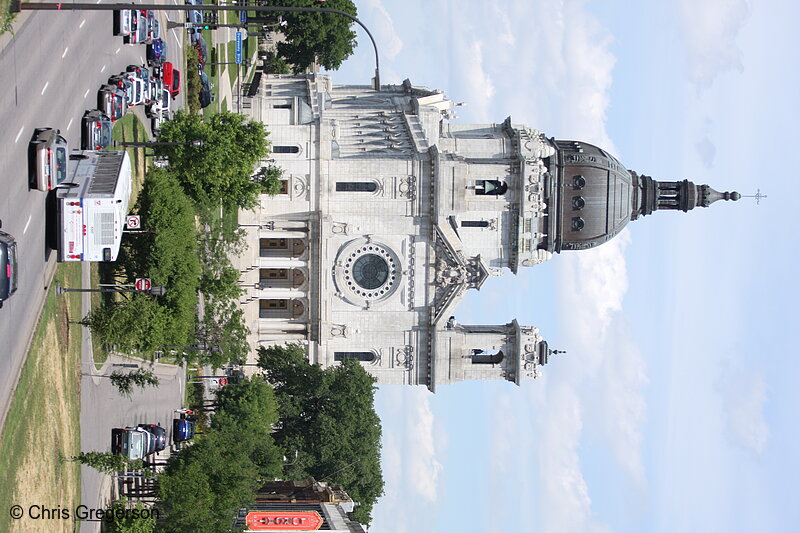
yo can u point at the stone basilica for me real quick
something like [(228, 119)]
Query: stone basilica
[(388, 213)]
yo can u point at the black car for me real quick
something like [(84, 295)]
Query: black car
[(159, 433), (205, 90), (96, 130), (8, 266)]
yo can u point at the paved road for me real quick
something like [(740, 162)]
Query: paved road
[(103, 408), (50, 72)]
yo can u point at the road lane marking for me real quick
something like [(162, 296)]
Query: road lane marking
[(65, 52), (28, 223), (82, 23), (20, 133), (118, 49), (103, 69), (141, 60), (69, 125), (176, 39), (86, 93), (45, 86)]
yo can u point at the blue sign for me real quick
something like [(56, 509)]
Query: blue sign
[(243, 16), (238, 47)]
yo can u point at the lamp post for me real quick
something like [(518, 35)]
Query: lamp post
[(155, 290), (16, 6), (198, 143)]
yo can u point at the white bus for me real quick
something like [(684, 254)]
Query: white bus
[(91, 208)]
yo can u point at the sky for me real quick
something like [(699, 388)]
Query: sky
[(676, 406)]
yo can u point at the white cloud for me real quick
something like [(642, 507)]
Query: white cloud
[(744, 394), (565, 501), (710, 30), (410, 457), (382, 28), (604, 362)]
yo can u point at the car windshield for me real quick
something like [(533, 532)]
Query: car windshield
[(7, 268), (12, 252), (61, 164), (105, 133)]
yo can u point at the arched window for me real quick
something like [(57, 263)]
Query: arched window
[(578, 203), (474, 223), (577, 223), (490, 188), (486, 357), (285, 149), (356, 186), (364, 357), (578, 182)]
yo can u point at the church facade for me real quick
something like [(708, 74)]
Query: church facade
[(389, 212)]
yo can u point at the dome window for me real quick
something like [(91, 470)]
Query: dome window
[(578, 203), (578, 182), (577, 223)]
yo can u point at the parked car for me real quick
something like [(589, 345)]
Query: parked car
[(194, 17), (182, 430), (96, 130), (159, 434), (205, 90), (8, 266), (130, 442), (202, 50), (171, 78), (111, 101), (122, 22), (50, 154)]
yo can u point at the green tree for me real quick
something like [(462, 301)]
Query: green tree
[(270, 179), (328, 418), (276, 65), (203, 485), (220, 169), (123, 518), (107, 462), (324, 36), (138, 378), (223, 326)]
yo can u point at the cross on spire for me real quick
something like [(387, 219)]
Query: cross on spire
[(758, 196)]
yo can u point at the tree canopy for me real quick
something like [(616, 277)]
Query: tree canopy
[(328, 417), (324, 36), (204, 484), (220, 169)]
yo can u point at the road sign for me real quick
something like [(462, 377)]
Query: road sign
[(223, 382), (143, 284), (133, 222), (283, 520), (243, 17), (238, 47)]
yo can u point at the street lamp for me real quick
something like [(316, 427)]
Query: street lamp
[(16, 6), (155, 290), (198, 143)]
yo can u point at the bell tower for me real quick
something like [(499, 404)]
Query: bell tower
[(508, 351)]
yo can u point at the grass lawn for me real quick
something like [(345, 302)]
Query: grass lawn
[(128, 128), (43, 424)]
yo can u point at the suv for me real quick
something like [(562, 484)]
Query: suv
[(50, 153), (8, 266), (182, 430), (131, 443), (122, 22), (159, 436), (143, 73), (96, 130), (172, 79), (111, 101)]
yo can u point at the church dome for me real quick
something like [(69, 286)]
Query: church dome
[(596, 196)]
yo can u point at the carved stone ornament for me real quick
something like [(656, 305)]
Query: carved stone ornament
[(338, 330)]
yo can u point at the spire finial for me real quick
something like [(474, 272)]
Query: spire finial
[(758, 196)]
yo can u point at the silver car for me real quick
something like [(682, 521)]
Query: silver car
[(50, 154), (122, 22)]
